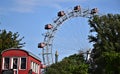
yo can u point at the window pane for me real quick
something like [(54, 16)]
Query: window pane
[(31, 65), (15, 61), (6, 64), (23, 63)]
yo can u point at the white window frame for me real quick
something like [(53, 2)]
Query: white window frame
[(17, 62), (11, 63), (35, 67), (38, 70), (31, 65), (3, 63), (20, 63)]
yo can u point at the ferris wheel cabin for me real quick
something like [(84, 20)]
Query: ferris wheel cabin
[(19, 61), (77, 8), (61, 13), (48, 26)]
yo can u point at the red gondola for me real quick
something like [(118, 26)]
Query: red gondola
[(61, 13), (77, 8), (41, 45), (48, 26), (19, 61)]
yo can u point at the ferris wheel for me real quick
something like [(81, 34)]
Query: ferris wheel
[(47, 44)]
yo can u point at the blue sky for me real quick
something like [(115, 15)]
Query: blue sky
[(28, 17)]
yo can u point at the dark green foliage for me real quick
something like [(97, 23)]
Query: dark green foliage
[(10, 40), (106, 52), (74, 64)]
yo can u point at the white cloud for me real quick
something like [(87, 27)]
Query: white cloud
[(56, 3), (30, 5), (24, 5)]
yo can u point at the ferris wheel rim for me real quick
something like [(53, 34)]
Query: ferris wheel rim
[(52, 29)]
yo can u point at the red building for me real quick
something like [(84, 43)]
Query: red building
[(19, 61)]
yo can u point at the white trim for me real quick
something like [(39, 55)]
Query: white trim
[(34, 66), (17, 63), (31, 65), (25, 62), (12, 63), (38, 69), (3, 63), (20, 63)]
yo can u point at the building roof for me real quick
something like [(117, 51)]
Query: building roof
[(29, 53)]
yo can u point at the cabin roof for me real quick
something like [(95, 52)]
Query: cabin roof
[(29, 53)]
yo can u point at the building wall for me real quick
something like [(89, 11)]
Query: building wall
[(36, 63), (30, 59)]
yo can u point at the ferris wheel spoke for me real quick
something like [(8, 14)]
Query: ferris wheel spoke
[(47, 45)]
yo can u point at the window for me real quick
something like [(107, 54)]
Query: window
[(23, 63), (35, 67), (31, 65), (38, 69), (6, 63), (15, 62)]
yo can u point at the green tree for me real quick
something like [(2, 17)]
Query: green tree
[(106, 52), (74, 64), (9, 40)]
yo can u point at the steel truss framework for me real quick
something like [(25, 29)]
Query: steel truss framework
[(46, 45)]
